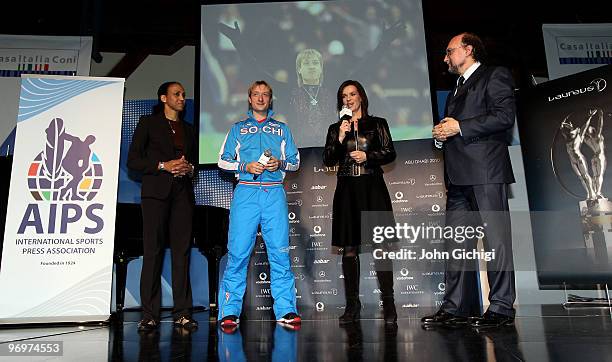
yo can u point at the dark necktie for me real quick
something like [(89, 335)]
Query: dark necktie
[(459, 84)]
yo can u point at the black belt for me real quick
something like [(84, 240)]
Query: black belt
[(353, 170)]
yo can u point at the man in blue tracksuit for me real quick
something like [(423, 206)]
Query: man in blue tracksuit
[(259, 199)]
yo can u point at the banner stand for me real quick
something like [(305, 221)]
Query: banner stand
[(576, 301), (57, 254)]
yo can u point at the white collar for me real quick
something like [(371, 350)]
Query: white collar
[(469, 72)]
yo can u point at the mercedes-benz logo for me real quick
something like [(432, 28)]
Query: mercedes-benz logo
[(322, 274), (319, 198), (432, 178), (294, 186)]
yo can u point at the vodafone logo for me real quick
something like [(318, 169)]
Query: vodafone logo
[(435, 208), (399, 198), (317, 229), (405, 275), (263, 276), (292, 218)]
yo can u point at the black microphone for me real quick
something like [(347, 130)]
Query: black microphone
[(263, 160), (345, 113)]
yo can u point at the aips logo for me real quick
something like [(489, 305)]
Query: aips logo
[(65, 172), (61, 173)]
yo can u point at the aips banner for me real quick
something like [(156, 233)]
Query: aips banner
[(58, 244)]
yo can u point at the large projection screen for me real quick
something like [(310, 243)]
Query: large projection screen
[(305, 50)]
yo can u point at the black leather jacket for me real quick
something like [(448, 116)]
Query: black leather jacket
[(373, 138)]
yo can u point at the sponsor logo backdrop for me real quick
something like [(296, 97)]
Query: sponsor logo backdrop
[(416, 187)]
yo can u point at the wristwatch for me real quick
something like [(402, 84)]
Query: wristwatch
[(160, 166)]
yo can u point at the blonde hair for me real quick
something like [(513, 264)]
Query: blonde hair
[(256, 84), (300, 58)]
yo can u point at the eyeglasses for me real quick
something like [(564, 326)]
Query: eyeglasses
[(450, 51)]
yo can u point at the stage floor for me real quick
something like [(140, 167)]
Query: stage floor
[(540, 333)]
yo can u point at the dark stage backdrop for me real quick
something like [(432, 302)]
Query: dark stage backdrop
[(416, 186), (566, 133)]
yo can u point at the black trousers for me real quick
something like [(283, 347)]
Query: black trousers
[(168, 219), (480, 205)]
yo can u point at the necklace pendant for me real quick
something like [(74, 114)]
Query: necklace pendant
[(313, 102)]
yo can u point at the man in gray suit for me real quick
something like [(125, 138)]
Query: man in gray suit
[(474, 134)]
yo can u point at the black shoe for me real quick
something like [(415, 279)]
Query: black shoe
[(352, 313), (389, 311), (147, 324), (491, 319), (186, 322), (444, 318)]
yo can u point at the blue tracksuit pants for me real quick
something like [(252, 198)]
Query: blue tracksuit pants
[(251, 206)]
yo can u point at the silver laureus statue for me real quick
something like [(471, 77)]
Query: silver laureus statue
[(596, 209)]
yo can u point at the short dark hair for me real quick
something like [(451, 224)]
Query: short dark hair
[(479, 52), (360, 90), (163, 91), (256, 84)]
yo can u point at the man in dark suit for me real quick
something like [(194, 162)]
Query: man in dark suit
[(163, 149), (474, 134)]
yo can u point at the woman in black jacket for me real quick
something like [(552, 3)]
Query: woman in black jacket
[(164, 149), (359, 145)]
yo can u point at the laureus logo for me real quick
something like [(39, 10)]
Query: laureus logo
[(598, 84)]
